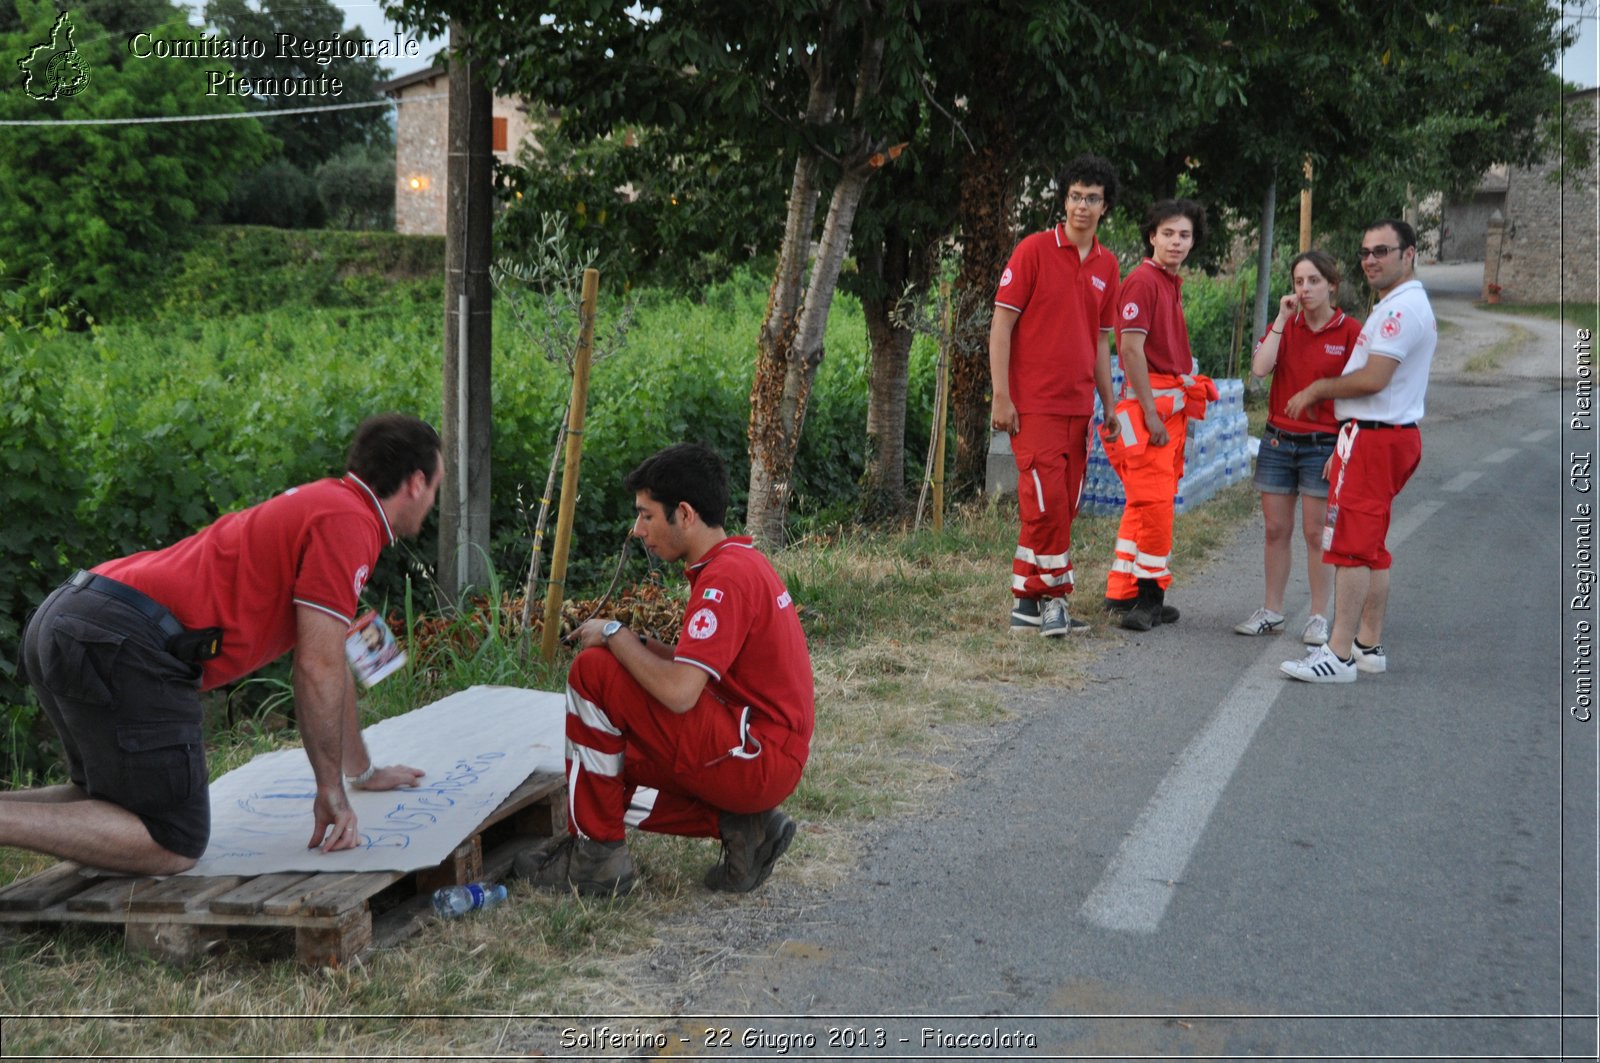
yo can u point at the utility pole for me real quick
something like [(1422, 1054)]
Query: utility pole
[(464, 502)]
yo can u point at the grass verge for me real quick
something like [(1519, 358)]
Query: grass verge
[(1489, 360), (912, 656), (1574, 315)]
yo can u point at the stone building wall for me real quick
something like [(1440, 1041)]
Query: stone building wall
[(1549, 237), (421, 147), (419, 156)]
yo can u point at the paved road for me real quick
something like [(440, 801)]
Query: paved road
[(1197, 857)]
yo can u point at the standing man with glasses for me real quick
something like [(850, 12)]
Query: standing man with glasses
[(1049, 353), (1379, 400)]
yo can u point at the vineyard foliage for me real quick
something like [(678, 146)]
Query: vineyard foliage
[(211, 402), (255, 360)]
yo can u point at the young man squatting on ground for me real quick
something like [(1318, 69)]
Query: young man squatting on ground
[(705, 738)]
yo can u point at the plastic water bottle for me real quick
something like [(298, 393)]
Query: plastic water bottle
[(452, 902)]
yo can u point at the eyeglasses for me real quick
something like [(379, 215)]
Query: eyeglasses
[(1084, 201), (1381, 251)]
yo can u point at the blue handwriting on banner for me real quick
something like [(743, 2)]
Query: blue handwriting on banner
[(419, 810), (289, 798)]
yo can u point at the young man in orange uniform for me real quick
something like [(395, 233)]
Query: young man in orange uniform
[(1049, 352), (1144, 439)]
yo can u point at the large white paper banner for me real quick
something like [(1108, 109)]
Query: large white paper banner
[(476, 746)]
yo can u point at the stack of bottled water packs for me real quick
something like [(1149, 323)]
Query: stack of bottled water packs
[(1216, 455)]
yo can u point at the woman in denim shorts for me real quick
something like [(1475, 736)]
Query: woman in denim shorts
[(1311, 338)]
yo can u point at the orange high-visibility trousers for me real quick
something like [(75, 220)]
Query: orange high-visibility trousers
[(1150, 476), (1144, 538)]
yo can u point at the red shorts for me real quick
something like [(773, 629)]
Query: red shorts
[(1370, 466)]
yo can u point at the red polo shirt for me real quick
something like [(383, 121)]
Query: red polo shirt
[(1065, 303), (313, 545), (1306, 355), (740, 625), (1152, 302)]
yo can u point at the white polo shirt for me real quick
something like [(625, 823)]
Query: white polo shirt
[(1401, 327)]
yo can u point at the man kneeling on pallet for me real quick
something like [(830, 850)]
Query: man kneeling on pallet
[(119, 655), (705, 738)]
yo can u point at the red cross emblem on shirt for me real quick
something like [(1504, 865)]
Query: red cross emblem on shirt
[(703, 624)]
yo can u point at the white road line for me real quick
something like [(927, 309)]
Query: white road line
[(1541, 435), (1461, 482), (1501, 456), (1401, 529), (1139, 881)]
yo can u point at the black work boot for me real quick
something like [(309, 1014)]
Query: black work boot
[(751, 845), (1147, 611)]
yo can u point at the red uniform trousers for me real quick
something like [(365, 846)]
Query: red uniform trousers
[(1052, 454), (1144, 538), (620, 741), (1370, 466)]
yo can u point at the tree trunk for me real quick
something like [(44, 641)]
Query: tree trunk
[(884, 481), (791, 343), (786, 370), (986, 241), (1264, 300)]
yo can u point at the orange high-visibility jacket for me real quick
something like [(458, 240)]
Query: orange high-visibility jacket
[(1187, 394)]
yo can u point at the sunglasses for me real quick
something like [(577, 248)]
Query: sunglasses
[(1381, 251)]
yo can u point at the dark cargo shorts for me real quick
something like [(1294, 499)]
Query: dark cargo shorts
[(128, 712)]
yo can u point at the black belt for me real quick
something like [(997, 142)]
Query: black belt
[(1304, 437), (186, 645), (1381, 424)]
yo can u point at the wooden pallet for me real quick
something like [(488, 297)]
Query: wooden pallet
[(334, 915)]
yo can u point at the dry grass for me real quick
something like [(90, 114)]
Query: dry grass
[(1489, 360), (913, 663)]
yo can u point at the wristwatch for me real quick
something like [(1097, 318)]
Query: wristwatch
[(611, 628)]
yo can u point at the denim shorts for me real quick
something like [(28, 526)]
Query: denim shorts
[(1290, 463)]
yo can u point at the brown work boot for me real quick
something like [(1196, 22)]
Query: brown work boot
[(751, 845), (593, 868)]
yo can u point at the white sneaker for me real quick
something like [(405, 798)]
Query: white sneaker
[(1261, 622), (1316, 632), (1320, 666), (1373, 661)]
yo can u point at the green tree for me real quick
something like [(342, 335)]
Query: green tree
[(1060, 80), (823, 83), (1387, 100), (288, 191), (33, 478), (356, 187), (103, 202), (120, 19), (665, 207), (308, 140)]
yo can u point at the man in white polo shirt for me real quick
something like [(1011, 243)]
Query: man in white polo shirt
[(1379, 400)]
